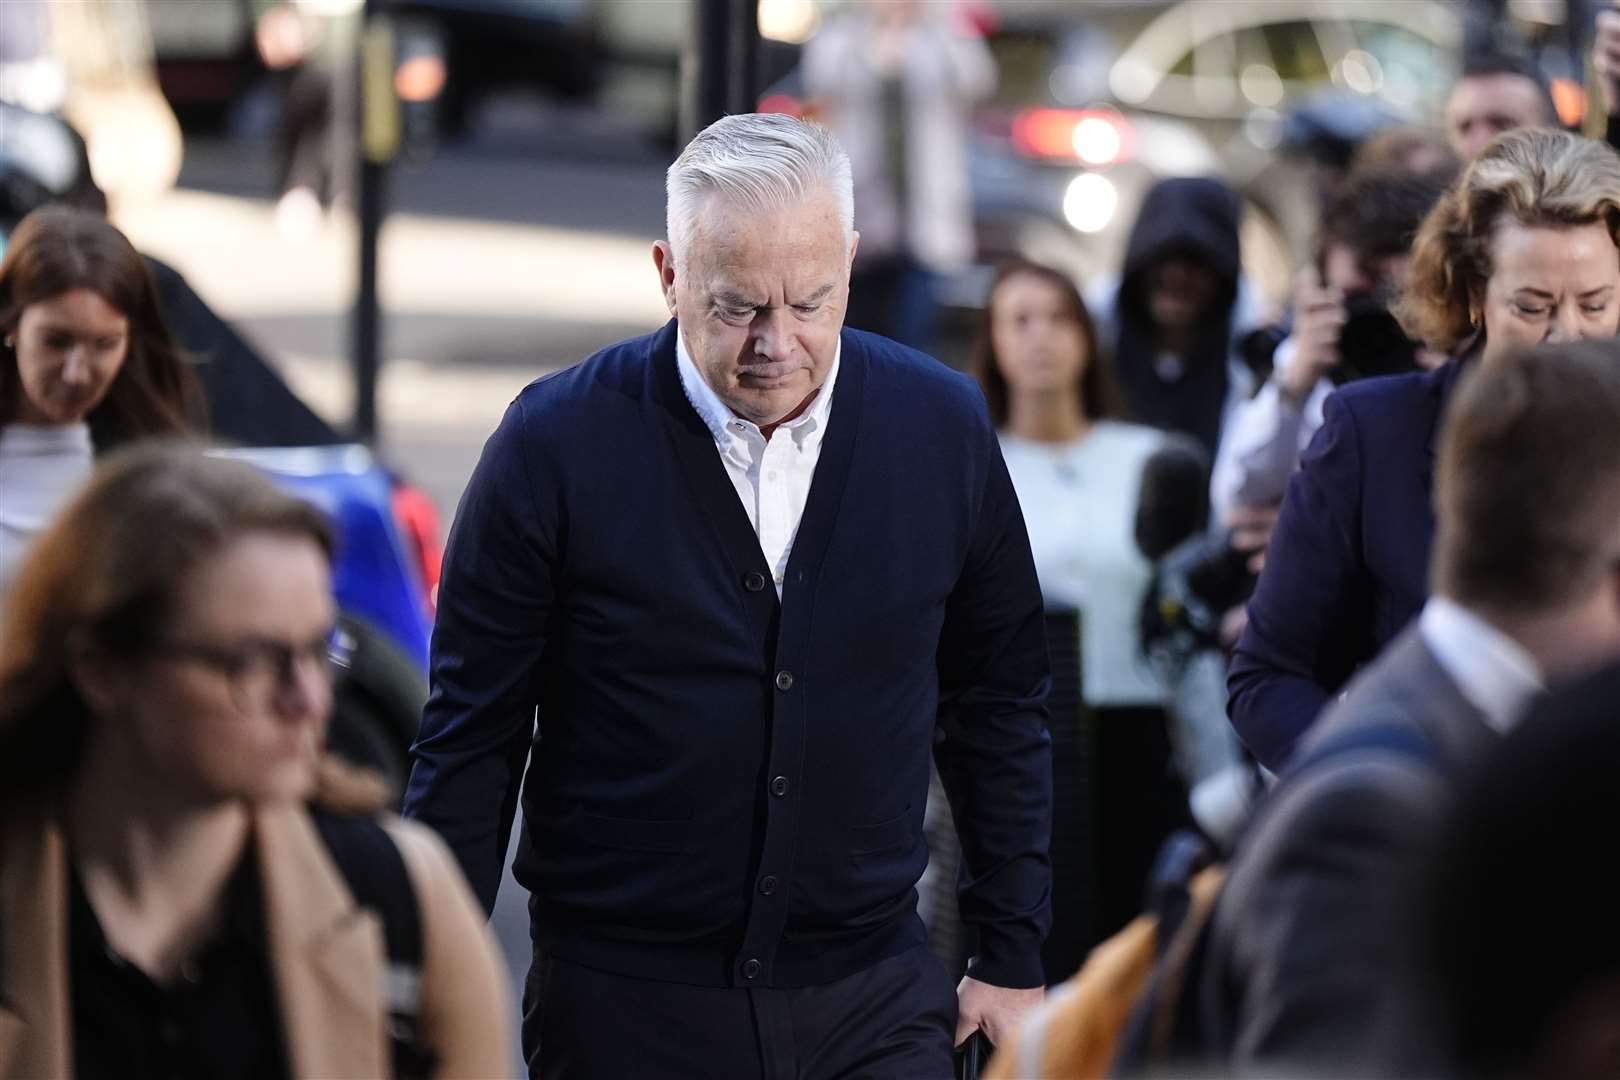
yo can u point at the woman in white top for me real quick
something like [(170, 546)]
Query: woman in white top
[(86, 364), (1077, 468)]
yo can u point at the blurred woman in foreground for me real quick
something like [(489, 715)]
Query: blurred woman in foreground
[(179, 861)]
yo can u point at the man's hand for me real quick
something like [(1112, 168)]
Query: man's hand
[(995, 1009), (1251, 528), (1606, 58), (1318, 320)]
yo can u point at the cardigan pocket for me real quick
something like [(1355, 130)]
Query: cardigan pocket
[(883, 838)]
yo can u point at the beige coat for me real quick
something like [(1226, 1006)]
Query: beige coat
[(327, 955)]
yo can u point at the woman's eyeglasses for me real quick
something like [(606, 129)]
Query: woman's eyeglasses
[(258, 668)]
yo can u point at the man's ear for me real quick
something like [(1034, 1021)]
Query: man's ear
[(664, 259), (854, 243)]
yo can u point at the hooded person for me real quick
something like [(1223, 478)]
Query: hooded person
[(1175, 308)]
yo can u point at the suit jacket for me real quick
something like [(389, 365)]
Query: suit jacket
[(326, 955), (725, 789), (1348, 564), (1305, 973)]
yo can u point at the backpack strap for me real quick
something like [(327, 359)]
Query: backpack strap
[(375, 872)]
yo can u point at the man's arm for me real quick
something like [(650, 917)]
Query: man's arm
[(494, 601), (995, 757), (1311, 615)]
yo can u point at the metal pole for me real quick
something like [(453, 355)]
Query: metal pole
[(742, 89), (379, 141), (724, 51), (367, 313), (711, 41)]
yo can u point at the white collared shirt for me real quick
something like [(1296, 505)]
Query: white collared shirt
[(772, 478), (1494, 672)]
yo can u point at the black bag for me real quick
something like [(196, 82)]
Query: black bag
[(375, 872)]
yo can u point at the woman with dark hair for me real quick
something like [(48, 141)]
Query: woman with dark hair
[(86, 364), (1077, 468), (188, 884)]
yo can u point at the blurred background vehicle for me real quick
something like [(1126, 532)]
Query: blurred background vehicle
[(207, 61), (1097, 102), (90, 62)]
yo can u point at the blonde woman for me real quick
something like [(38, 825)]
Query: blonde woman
[(1522, 250)]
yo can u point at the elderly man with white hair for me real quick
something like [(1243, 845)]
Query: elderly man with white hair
[(723, 590)]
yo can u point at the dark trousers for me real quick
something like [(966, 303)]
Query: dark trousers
[(1140, 802), (895, 1019)]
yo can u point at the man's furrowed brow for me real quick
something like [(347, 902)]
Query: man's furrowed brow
[(733, 299), (820, 294)]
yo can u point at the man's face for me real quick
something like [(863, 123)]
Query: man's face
[(1180, 291), (760, 297), (1481, 108), (1345, 270)]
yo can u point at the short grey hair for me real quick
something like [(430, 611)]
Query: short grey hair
[(756, 161)]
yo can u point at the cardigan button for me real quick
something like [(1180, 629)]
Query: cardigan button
[(750, 969), (784, 680), (753, 581), (768, 884), (779, 786)]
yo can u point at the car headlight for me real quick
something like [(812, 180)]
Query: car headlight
[(1089, 202)]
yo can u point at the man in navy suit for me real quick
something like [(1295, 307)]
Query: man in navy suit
[(724, 589)]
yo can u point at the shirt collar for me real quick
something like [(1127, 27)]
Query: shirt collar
[(1494, 672), (807, 428)]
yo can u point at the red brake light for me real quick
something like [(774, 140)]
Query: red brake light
[(1090, 136), (418, 519), (781, 103)]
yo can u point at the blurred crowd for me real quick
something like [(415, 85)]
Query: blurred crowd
[(1309, 778)]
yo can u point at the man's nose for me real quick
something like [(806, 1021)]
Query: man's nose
[(771, 333)]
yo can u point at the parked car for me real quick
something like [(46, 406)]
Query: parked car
[(1096, 102)]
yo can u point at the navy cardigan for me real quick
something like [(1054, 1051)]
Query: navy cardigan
[(1348, 564), (723, 789)]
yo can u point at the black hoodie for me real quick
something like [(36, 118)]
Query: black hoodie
[(1195, 216)]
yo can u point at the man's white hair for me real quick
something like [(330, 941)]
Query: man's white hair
[(756, 161)]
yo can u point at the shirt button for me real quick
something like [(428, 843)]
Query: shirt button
[(771, 475), (753, 581), (750, 969), (767, 884), (779, 786), (784, 680)]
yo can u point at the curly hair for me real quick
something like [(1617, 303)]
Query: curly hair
[(1537, 177)]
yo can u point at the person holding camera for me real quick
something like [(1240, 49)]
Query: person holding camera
[(1522, 250), (1342, 330)]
